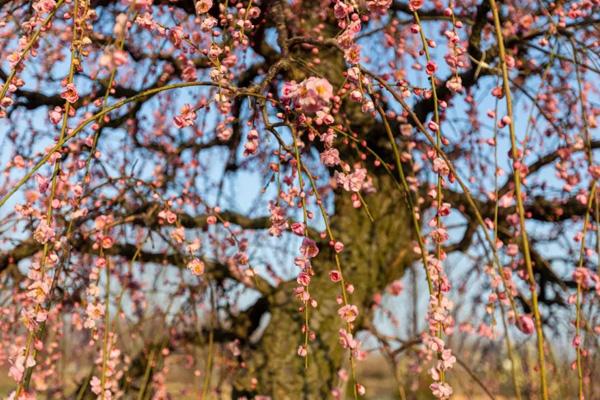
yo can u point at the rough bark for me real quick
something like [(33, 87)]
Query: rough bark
[(376, 254)]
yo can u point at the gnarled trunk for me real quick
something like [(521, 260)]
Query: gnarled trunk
[(376, 253)]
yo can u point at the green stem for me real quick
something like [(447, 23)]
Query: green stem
[(520, 207)]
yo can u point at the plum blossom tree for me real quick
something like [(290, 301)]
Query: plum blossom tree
[(241, 187)]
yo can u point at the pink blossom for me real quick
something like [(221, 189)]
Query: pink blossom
[(455, 84), (353, 182), (289, 90), (348, 313), (341, 10), (433, 126), (581, 275), (440, 167), (311, 95), (396, 287), (298, 228), (141, 4), (224, 133), (302, 351), (208, 23), (251, 145), (196, 266), (512, 249), (55, 115), (107, 242), (525, 324), (145, 20), (189, 72), (439, 235), (44, 6), (278, 220), (379, 6), (447, 359), (441, 390), (356, 95), (335, 276), (168, 216), (43, 233), (96, 385), (38, 291), (203, 6), (431, 67), (303, 279), (186, 117), (360, 389), (347, 341), (94, 312), (352, 54), (309, 248), (113, 58), (330, 157), (415, 5), (19, 365), (70, 93)]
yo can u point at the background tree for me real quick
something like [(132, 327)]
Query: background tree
[(236, 184)]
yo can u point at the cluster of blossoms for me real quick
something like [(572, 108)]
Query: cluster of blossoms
[(20, 361), (167, 217), (355, 181), (95, 308), (37, 292), (278, 220), (439, 318), (456, 56), (34, 313), (349, 21), (159, 381), (41, 8), (379, 6), (186, 117), (308, 251), (357, 82), (311, 96), (439, 388), (348, 341), (108, 363), (251, 146)]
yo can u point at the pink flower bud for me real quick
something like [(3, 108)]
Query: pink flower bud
[(525, 324)]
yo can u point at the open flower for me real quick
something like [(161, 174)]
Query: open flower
[(330, 157), (43, 233), (94, 312), (348, 313), (187, 117), (196, 266), (203, 6), (70, 93), (311, 95), (309, 248)]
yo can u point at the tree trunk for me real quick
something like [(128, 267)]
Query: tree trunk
[(376, 253)]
